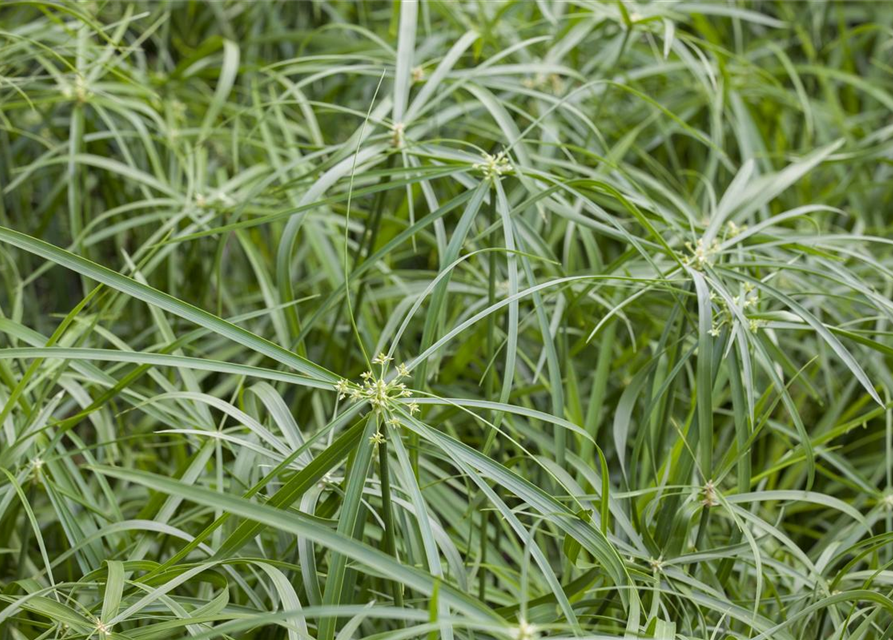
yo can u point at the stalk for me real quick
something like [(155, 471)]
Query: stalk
[(367, 244), (490, 386), (390, 542)]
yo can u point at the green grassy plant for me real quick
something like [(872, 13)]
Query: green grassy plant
[(446, 319)]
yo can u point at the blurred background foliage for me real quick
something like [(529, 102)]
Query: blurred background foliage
[(634, 256)]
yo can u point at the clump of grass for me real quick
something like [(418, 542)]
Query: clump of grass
[(445, 320)]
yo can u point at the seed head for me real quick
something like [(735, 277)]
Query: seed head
[(701, 256), (525, 631), (494, 166), (709, 495), (734, 229), (377, 390), (377, 438), (78, 91), (755, 325), (397, 137), (37, 468), (382, 359)]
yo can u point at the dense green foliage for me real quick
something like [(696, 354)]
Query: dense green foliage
[(635, 260)]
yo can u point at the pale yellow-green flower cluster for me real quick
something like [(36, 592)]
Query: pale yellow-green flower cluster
[(748, 300), (102, 628), (398, 135), (700, 255), (78, 91), (377, 438), (657, 564), (382, 394), (733, 229), (710, 499), (524, 631), (493, 167), (551, 81), (36, 469)]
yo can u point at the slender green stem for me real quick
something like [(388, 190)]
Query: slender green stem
[(387, 515), (366, 247), (490, 390)]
